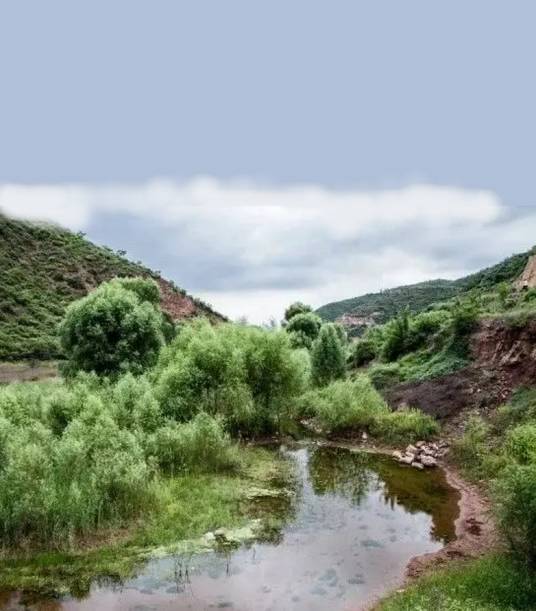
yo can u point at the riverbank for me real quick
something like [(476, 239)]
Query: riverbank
[(476, 533), (196, 504)]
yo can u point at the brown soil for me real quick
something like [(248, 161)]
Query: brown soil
[(503, 358), (27, 372), (177, 305), (528, 277)]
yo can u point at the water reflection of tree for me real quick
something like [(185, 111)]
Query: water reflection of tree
[(416, 491), (338, 471), (352, 475)]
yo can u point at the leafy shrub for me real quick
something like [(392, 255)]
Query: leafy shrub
[(520, 444), (112, 331), (344, 404), (134, 405), (328, 360), (144, 289), (248, 376), (529, 296), (199, 445), (515, 495), (471, 449), (296, 308), (341, 333), (520, 409), (361, 352), (464, 318), (424, 326), (356, 405), (396, 333), (63, 405), (404, 426), (304, 326), (57, 485), (299, 339), (100, 474), (383, 376)]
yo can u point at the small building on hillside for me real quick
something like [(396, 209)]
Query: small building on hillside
[(527, 280)]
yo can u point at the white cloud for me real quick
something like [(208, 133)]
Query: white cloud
[(250, 248)]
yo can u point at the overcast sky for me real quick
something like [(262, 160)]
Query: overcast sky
[(260, 152)]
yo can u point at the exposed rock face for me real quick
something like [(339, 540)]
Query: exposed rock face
[(354, 321), (528, 277)]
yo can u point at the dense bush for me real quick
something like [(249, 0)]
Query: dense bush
[(198, 445), (404, 426), (355, 405), (114, 329), (304, 328), (384, 375), (361, 352), (521, 408), (343, 405), (62, 477), (328, 359), (424, 326), (515, 495), (464, 317), (471, 449), (296, 308), (84, 455), (249, 376), (520, 444), (396, 337), (405, 333)]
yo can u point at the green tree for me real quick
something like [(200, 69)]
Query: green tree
[(303, 329), (115, 329), (247, 375), (296, 308), (361, 352), (328, 361), (396, 337)]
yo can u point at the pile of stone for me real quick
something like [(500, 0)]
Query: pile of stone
[(422, 454)]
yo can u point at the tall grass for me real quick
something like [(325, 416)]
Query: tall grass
[(82, 456), (347, 405)]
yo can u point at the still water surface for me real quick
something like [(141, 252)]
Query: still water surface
[(348, 534)]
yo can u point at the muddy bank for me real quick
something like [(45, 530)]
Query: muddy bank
[(475, 532), (503, 357), (475, 529)]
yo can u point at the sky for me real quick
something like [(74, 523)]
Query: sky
[(262, 152)]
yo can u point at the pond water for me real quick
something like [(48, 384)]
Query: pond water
[(347, 535)]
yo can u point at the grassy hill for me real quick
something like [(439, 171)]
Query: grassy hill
[(43, 268), (380, 307), (385, 304)]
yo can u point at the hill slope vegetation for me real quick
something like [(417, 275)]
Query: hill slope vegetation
[(44, 268), (357, 313)]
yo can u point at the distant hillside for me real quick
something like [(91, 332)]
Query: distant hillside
[(357, 313), (43, 268), (379, 307)]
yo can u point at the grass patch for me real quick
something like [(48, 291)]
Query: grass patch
[(355, 405), (188, 506), (494, 583)]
